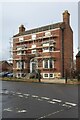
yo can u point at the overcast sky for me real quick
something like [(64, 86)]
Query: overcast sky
[(33, 14)]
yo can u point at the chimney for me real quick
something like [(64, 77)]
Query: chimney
[(21, 29), (66, 17)]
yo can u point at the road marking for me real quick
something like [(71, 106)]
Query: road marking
[(49, 114), (26, 94), (39, 99), (20, 95), (73, 104), (65, 105), (34, 96), (21, 111), (56, 100), (46, 98), (8, 110), (51, 102)]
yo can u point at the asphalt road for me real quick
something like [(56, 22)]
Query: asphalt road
[(38, 101)]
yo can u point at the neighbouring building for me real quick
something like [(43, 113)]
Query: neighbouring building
[(78, 62), (5, 66), (48, 49)]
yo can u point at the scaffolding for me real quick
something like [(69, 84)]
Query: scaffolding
[(11, 50)]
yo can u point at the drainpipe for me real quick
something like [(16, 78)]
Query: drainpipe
[(62, 51)]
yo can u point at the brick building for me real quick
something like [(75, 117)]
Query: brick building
[(48, 48), (6, 66), (78, 62)]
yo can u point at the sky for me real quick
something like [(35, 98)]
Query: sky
[(34, 14)]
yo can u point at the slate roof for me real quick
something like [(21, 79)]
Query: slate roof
[(78, 55), (39, 29)]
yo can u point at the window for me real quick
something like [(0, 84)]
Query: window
[(51, 49), (48, 33), (33, 46), (45, 63), (21, 39), (51, 75), (34, 51), (20, 52), (48, 49), (45, 49), (45, 44), (45, 75), (48, 63), (48, 75), (19, 75), (34, 37), (20, 64)]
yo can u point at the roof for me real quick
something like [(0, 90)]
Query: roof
[(4, 61), (39, 29), (78, 55)]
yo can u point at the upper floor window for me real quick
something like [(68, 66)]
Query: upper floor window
[(21, 52), (21, 39), (45, 44), (48, 33), (48, 49), (33, 46), (34, 51), (34, 37)]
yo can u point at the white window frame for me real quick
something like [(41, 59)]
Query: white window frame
[(46, 44), (34, 51), (47, 33), (34, 46), (48, 75), (21, 39), (34, 37), (20, 52), (48, 64), (20, 66)]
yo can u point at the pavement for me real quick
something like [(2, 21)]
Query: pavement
[(53, 81), (50, 81)]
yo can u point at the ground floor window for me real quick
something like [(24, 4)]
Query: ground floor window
[(48, 63), (19, 75), (20, 64), (48, 75)]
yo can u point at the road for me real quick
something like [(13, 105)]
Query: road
[(38, 101)]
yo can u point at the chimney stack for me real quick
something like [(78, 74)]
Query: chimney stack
[(21, 29), (66, 17)]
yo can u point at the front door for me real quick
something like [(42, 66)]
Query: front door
[(33, 66)]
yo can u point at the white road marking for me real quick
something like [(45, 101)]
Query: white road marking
[(56, 100), (65, 105), (46, 98), (21, 111), (34, 96), (20, 95), (51, 102), (73, 104), (50, 114), (8, 110), (26, 94), (39, 99)]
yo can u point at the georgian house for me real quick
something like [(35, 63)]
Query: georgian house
[(47, 48)]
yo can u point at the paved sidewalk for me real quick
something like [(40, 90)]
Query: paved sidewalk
[(53, 81)]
